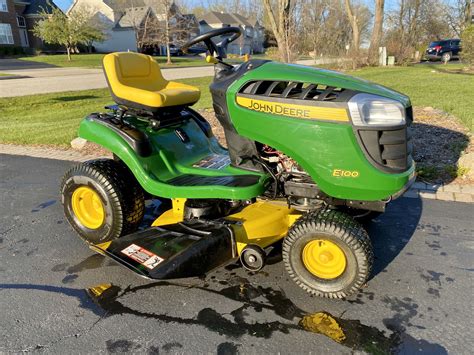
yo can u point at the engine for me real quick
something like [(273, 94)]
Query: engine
[(291, 181)]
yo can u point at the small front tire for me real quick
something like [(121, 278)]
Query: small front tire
[(328, 254), (102, 200)]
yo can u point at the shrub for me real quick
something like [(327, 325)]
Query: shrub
[(10, 51), (467, 41)]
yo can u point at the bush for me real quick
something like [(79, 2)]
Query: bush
[(467, 41), (10, 51)]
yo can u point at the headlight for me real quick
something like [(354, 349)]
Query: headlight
[(373, 110)]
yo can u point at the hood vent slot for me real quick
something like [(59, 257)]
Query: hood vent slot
[(295, 90)]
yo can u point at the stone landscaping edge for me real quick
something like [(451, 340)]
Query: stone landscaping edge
[(448, 192)]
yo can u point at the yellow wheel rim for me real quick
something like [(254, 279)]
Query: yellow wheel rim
[(324, 259), (87, 207)]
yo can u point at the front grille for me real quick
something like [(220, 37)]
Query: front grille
[(389, 149), (295, 90)]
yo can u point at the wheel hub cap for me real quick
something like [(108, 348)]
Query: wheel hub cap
[(87, 207), (324, 259)]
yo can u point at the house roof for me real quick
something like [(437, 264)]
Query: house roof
[(241, 20), (36, 6), (226, 18), (219, 17), (132, 16), (124, 4)]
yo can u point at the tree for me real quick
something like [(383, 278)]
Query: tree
[(352, 16), (467, 38), (376, 32), (68, 31), (282, 24)]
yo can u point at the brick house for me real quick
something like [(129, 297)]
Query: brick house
[(17, 19)]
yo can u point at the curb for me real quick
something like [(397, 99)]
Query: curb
[(449, 192)]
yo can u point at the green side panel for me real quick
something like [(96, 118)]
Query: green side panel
[(172, 158), (318, 146)]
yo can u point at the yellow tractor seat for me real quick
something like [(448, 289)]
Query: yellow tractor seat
[(135, 81)]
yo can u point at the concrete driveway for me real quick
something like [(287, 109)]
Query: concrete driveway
[(419, 300)]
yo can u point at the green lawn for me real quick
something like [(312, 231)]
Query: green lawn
[(444, 87), (95, 60), (54, 118), (5, 74)]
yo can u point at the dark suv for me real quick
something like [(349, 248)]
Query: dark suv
[(443, 50)]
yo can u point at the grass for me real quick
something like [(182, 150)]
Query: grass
[(443, 87), (5, 74), (95, 60), (53, 119)]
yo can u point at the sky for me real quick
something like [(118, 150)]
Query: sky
[(389, 4)]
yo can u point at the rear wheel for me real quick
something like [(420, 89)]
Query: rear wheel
[(328, 254), (102, 200)]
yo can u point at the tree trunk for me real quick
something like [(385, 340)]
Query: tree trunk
[(355, 34), (468, 13), (167, 34), (68, 50), (376, 32), (280, 26)]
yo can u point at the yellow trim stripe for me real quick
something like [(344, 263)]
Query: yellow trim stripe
[(293, 110)]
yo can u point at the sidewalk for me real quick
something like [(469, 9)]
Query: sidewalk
[(451, 192)]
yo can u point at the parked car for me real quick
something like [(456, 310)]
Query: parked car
[(443, 50), (175, 50)]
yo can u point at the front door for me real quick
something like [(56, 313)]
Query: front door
[(24, 37)]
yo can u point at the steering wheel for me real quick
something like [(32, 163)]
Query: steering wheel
[(213, 48)]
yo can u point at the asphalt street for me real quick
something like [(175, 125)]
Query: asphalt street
[(419, 299)]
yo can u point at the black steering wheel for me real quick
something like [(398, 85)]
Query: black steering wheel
[(218, 49)]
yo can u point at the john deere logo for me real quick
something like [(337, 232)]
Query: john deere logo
[(278, 109), (294, 110)]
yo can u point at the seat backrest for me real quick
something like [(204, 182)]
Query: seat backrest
[(133, 70)]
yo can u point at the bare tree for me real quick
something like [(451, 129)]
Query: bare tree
[(355, 32), (376, 32), (282, 24)]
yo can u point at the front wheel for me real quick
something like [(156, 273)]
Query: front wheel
[(446, 57), (328, 254), (102, 200)]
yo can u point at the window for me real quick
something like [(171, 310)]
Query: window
[(3, 6), (6, 36), (21, 21)]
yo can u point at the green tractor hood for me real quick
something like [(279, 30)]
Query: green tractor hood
[(292, 72)]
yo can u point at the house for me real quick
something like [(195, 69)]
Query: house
[(253, 34), (136, 24), (17, 19)]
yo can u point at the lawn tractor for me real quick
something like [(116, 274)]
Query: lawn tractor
[(310, 155)]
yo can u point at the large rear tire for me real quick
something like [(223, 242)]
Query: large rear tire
[(102, 200), (328, 254)]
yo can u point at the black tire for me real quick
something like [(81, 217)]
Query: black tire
[(340, 229), (121, 196), (446, 57)]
